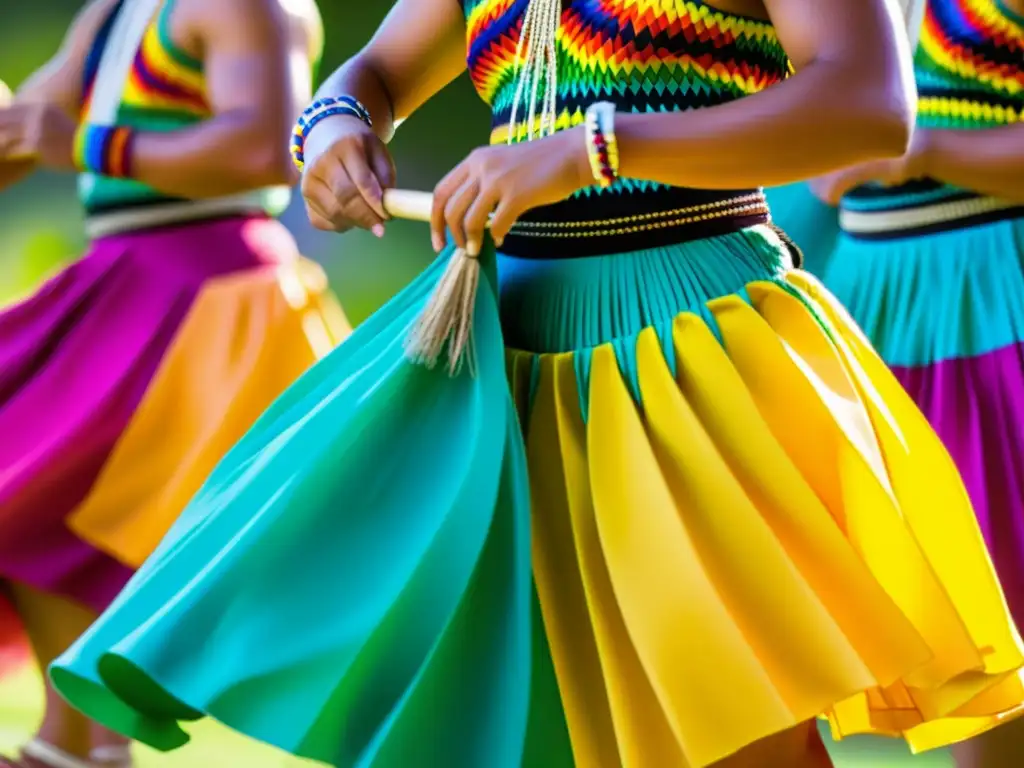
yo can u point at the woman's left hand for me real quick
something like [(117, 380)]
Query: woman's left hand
[(40, 132), (506, 181)]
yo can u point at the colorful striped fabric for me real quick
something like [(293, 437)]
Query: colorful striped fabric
[(647, 55), (165, 91), (643, 55), (969, 68)]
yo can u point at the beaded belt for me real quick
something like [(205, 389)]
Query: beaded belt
[(165, 214), (618, 222), (927, 218)]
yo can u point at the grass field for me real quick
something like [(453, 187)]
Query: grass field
[(214, 746)]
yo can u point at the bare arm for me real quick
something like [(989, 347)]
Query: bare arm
[(418, 49), (59, 81), (851, 99), (988, 161), (247, 48)]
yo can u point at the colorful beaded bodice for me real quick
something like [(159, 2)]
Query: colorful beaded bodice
[(969, 67), (165, 91), (642, 55)]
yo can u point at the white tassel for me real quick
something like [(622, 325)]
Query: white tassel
[(537, 65), (447, 319)]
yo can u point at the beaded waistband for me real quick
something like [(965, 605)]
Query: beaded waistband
[(164, 214), (927, 218), (620, 222)]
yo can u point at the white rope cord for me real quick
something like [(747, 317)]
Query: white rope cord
[(116, 60), (537, 66)]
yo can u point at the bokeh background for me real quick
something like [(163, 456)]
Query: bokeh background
[(41, 229)]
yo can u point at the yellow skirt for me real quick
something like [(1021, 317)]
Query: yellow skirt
[(245, 339), (740, 520)]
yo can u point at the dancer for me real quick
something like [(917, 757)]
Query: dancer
[(739, 520), (931, 262), (126, 377)]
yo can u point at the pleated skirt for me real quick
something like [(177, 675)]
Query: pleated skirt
[(126, 377), (946, 312), (688, 507)]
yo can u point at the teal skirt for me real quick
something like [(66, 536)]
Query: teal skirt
[(612, 545), (813, 225)]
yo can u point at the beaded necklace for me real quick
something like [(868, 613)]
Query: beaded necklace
[(537, 64)]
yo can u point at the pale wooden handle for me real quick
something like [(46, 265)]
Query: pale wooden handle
[(406, 204)]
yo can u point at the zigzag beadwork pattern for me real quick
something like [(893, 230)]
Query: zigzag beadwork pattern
[(646, 53), (970, 65), (643, 55)]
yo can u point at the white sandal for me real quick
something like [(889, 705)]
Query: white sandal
[(112, 756), (51, 756)]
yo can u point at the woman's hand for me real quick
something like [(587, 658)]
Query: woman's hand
[(40, 132), (892, 172), (507, 181), (347, 168)]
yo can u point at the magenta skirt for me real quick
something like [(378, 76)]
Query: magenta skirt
[(79, 358)]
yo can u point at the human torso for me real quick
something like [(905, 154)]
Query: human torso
[(165, 91), (642, 55), (969, 68)]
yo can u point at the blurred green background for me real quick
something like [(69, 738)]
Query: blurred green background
[(41, 228)]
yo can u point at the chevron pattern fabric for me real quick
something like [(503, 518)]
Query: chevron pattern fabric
[(643, 55)]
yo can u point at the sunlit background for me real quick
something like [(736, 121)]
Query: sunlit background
[(41, 229)]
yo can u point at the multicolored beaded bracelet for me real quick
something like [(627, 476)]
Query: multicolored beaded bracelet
[(319, 110), (602, 146), (104, 149)]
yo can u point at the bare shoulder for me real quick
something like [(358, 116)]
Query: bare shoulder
[(305, 24), (87, 23), (59, 81), (195, 22)]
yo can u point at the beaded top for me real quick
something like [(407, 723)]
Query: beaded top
[(641, 55), (165, 91), (969, 67)]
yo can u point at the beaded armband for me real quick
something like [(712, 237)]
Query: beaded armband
[(319, 110), (104, 149), (602, 147)]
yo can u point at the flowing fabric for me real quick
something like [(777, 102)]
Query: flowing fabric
[(946, 313), (735, 517), (126, 377)]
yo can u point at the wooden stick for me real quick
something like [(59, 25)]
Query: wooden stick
[(406, 204)]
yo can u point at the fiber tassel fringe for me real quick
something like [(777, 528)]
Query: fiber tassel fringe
[(447, 318)]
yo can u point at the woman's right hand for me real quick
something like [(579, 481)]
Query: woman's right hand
[(347, 168)]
